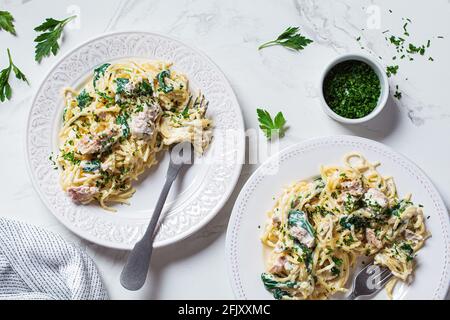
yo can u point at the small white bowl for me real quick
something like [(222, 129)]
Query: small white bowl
[(384, 84)]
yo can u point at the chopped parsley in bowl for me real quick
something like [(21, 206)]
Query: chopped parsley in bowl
[(354, 88)]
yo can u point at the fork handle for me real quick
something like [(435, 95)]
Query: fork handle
[(135, 270)]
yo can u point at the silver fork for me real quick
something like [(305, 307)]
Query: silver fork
[(369, 281), (135, 271)]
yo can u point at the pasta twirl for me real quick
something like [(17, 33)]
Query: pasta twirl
[(114, 127)]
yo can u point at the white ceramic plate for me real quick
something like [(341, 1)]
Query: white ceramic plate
[(300, 161), (196, 196)]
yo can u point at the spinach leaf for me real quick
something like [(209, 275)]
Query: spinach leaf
[(92, 166), (162, 84), (298, 218), (121, 83), (275, 286), (122, 120), (279, 294), (100, 71)]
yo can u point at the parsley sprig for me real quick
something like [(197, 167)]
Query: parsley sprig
[(7, 22), (47, 41), (290, 38), (5, 88), (269, 126)]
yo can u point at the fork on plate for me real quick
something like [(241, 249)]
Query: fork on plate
[(369, 281)]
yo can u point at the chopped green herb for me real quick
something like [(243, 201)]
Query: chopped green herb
[(104, 96), (356, 221), (390, 70), (352, 89), (70, 156), (397, 94), (84, 99), (414, 49)]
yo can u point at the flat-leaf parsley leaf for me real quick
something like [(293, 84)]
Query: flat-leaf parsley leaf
[(5, 88), (7, 22), (290, 38), (269, 126), (47, 41)]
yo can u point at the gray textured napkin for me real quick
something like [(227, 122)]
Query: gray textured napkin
[(37, 264)]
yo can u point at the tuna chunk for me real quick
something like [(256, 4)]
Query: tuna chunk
[(372, 238), (142, 123), (353, 187), (376, 199), (96, 144), (279, 265), (352, 191), (302, 235), (82, 194), (411, 236)]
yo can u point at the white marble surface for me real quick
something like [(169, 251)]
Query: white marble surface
[(229, 32)]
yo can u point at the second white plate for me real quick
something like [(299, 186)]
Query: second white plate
[(300, 161)]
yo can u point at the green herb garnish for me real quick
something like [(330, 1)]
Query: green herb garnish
[(290, 38), (397, 94), (269, 126), (416, 49), (390, 70), (104, 96), (84, 99), (356, 221), (122, 121), (5, 88), (7, 22), (70, 156), (352, 89), (47, 42)]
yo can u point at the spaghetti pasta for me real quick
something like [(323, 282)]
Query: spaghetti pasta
[(319, 227), (114, 127)]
